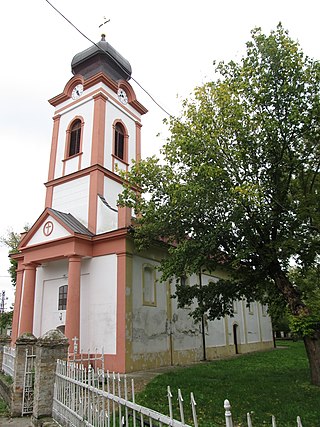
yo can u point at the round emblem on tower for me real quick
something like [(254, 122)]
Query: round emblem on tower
[(77, 91), (122, 96)]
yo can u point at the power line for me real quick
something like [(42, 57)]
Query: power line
[(95, 44)]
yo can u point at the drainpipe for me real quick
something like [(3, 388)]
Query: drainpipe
[(202, 324)]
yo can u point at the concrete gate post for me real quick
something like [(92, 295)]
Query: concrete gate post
[(51, 346), (24, 342)]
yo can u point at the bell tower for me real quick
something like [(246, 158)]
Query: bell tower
[(96, 134), (74, 262)]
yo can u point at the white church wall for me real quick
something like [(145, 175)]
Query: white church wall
[(84, 110), (252, 322), (108, 216), (149, 322), (115, 113), (265, 324), (73, 197), (49, 278), (107, 219), (99, 303)]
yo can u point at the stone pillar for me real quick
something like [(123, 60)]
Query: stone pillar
[(24, 342), (29, 283), (73, 300), (51, 346), (4, 341)]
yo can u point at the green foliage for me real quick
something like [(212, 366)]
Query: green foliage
[(5, 320), (12, 240), (308, 281), (237, 188)]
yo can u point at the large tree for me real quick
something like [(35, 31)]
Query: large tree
[(237, 186)]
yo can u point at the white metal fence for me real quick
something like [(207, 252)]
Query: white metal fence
[(28, 385), (93, 398), (229, 421), (9, 355)]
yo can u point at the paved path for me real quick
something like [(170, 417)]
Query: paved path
[(23, 422), (15, 422)]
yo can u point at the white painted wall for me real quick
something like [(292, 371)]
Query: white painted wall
[(73, 197), (149, 323), (107, 219), (84, 109), (99, 303), (115, 113), (49, 278)]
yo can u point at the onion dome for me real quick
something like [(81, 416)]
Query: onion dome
[(101, 57)]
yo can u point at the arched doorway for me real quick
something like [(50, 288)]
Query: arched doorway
[(235, 337)]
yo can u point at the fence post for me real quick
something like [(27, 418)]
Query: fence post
[(228, 414), (24, 342), (51, 346), (4, 341)]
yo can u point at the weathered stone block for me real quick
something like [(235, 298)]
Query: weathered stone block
[(51, 346)]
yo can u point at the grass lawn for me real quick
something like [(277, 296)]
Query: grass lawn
[(265, 383), (4, 411)]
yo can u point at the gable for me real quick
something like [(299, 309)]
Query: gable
[(47, 230)]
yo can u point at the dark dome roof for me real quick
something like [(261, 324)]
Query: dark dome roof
[(93, 60)]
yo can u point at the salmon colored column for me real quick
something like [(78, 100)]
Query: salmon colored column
[(53, 159), (17, 304), (98, 129), (120, 365), (27, 306), (73, 301), (138, 141)]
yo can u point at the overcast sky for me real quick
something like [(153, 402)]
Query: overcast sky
[(170, 45)]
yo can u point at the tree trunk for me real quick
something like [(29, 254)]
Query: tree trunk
[(312, 345), (298, 308)]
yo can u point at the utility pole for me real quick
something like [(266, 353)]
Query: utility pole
[(2, 301)]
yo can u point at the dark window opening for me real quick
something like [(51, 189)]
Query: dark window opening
[(119, 142), (75, 135), (63, 291)]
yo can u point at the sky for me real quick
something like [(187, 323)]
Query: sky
[(170, 44)]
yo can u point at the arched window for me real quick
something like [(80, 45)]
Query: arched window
[(149, 285), (62, 302), (119, 134), (75, 138)]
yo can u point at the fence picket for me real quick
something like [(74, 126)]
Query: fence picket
[(228, 414)]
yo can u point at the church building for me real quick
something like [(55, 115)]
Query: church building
[(78, 269)]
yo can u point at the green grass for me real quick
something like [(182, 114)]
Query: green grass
[(4, 410), (264, 384)]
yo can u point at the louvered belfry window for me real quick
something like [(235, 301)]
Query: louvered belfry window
[(75, 137), (119, 141)]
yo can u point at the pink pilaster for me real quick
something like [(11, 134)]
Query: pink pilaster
[(27, 306), (73, 300), (17, 305)]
